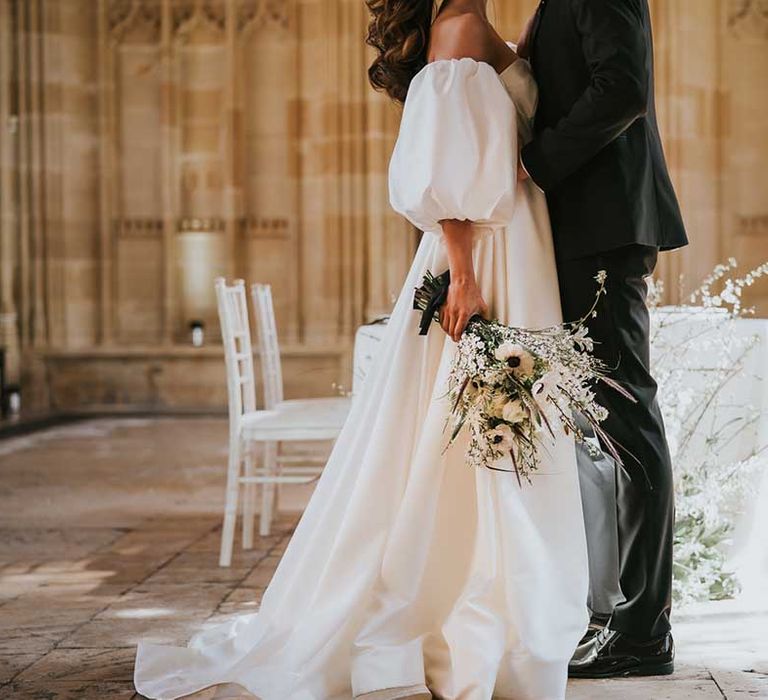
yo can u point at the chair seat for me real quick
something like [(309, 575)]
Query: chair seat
[(298, 419)]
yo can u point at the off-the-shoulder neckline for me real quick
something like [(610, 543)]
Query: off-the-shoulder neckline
[(481, 63), (472, 60)]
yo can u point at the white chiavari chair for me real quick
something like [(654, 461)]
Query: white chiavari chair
[(241, 392), (280, 422), (295, 420)]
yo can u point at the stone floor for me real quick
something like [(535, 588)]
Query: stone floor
[(110, 534)]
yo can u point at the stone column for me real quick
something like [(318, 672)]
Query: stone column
[(50, 117), (169, 130), (744, 138), (107, 158), (30, 214), (232, 204), (688, 88), (9, 251), (332, 235), (31, 198), (72, 175)]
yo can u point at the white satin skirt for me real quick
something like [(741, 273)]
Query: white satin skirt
[(412, 573)]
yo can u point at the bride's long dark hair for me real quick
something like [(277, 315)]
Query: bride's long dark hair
[(399, 31)]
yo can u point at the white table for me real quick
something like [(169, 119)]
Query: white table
[(749, 388)]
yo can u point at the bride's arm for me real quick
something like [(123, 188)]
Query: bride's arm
[(454, 162), (464, 296), (457, 37)]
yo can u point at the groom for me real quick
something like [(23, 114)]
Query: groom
[(597, 155)]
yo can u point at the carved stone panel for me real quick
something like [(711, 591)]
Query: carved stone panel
[(139, 281), (748, 18), (269, 148), (257, 15), (198, 20), (138, 109), (134, 21)]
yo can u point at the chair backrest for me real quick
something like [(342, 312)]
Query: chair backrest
[(238, 353), (269, 348)]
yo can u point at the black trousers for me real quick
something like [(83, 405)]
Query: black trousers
[(645, 498)]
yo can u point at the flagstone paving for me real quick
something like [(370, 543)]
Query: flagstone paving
[(109, 533)]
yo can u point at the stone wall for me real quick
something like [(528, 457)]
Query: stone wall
[(149, 146), (712, 58)]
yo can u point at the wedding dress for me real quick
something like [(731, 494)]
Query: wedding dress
[(411, 573)]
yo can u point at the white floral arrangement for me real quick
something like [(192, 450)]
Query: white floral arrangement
[(696, 357), (517, 388)]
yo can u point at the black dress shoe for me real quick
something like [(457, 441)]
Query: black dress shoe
[(610, 653), (596, 623)]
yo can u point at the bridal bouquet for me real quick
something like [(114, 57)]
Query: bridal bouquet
[(516, 387)]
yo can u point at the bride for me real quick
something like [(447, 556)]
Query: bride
[(412, 574)]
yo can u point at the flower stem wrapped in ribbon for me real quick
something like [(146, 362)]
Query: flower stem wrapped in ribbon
[(430, 297), (517, 388)]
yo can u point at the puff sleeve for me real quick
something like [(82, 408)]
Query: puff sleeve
[(456, 152)]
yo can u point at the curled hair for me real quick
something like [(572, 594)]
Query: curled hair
[(399, 32)]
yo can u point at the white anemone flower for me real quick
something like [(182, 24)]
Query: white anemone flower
[(514, 412), (545, 387), (501, 438), (517, 358)]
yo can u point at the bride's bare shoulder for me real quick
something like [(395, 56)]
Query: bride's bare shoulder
[(467, 35)]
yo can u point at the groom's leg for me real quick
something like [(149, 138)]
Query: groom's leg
[(645, 502)]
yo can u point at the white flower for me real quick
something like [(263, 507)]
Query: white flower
[(501, 438), (581, 337), (600, 413), (516, 357), (476, 421), (496, 405), (545, 387), (473, 388), (514, 412)]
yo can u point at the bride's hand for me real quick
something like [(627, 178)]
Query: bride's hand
[(464, 301)]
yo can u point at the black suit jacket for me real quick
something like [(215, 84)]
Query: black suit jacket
[(596, 150)]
